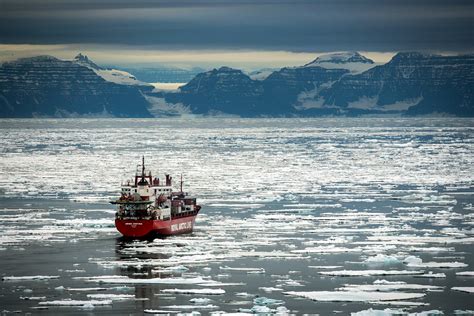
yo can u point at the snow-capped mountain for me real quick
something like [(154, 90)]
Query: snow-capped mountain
[(111, 75), (352, 61), (273, 93), (47, 86), (412, 83), (341, 58)]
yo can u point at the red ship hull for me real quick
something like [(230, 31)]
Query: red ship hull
[(146, 227)]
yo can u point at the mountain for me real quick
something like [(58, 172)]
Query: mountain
[(411, 83), (230, 91), (283, 88), (261, 74), (352, 61), (111, 74), (341, 58), (221, 91), (83, 60), (47, 86), (269, 93)]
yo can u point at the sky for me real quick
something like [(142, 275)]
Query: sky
[(245, 33)]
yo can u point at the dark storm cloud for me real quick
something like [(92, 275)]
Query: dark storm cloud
[(326, 25)]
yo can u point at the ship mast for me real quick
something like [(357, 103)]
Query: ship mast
[(142, 181), (181, 184)]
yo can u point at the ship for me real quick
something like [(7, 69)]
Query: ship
[(151, 207)]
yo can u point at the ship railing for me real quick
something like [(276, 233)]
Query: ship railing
[(134, 217), (136, 214), (185, 214)]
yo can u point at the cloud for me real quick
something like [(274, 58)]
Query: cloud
[(282, 25)]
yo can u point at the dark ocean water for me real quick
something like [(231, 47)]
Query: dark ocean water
[(299, 216)]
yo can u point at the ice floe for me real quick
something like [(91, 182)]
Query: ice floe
[(327, 249), (200, 301), (176, 269), (463, 312), (395, 312), (416, 262), (350, 273), (113, 297), (33, 298), (383, 259), (248, 270), (387, 286), (86, 289), (126, 280), (431, 274), (263, 310), (265, 301), (325, 267), (195, 291), (467, 289), (355, 296), (270, 289), (30, 278), (70, 302), (192, 307), (159, 311)]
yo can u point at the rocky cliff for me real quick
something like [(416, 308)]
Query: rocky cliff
[(47, 86), (411, 83), (221, 91)]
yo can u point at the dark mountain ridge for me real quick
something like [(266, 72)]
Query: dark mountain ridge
[(412, 83), (347, 84), (47, 86)]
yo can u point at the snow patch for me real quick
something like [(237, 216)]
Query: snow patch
[(119, 77), (159, 107)]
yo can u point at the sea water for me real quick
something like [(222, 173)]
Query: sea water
[(299, 216)]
